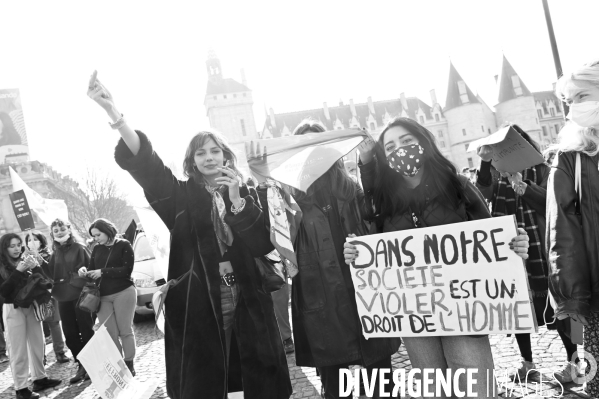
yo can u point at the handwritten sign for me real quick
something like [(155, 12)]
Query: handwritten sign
[(22, 211), (511, 152), (457, 279)]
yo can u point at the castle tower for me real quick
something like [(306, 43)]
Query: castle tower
[(468, 119), (516, 102), (229, 103)]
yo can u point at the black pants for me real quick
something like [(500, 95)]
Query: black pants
[(77, 326), (329, 376), (525, 345)]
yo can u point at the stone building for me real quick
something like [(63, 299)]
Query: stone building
[(465, 117)]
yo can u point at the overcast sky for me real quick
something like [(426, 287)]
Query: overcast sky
[(151, 55)]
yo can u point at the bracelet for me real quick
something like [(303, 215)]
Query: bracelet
[(237, 210), (119, 123)]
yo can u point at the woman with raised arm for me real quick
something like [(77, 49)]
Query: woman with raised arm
[(412, 185), (220, 325)]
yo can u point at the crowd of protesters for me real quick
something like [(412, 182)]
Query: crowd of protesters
[(224, 332)]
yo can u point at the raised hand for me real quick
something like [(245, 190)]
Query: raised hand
[(232, 181), (366, 149), (258, 159), (485, 153), (100, 94)]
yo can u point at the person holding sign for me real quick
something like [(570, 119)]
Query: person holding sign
[(524, 195), (326, 325), (572, 209), (24, 335), (221, 333), (409, 184)]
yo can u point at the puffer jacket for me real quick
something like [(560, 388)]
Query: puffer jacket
[(572, 237)]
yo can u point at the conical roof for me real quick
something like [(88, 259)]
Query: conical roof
[(510, 84), (455, 97)]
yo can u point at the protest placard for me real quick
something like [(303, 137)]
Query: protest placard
[(457, 279), (511, 152), (22, 211)]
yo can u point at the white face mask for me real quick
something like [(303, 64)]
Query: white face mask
[(585, 114), (34, 245), (63, 239)]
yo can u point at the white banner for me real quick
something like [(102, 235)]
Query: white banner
[(158, 236), (457, 279)]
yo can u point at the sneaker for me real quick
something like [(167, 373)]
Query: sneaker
[(45, 383), (62, 358), (3, 358), (564, 375), (129, 364), (80, 375), (25, 393), (523, 371), (289, 346)]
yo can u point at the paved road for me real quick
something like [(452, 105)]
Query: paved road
[(149, 363)]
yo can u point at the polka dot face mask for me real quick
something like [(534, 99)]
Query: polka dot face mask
[(407, 160)]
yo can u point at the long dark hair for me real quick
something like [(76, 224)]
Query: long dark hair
[(440, 174), (189, 166), (342, 186), (40, 237), (7, 263)]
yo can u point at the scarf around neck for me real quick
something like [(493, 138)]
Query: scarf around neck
[(224, 234)]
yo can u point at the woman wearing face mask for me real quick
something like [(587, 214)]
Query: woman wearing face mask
[(524, 195), (68, 257), (24, 336), (411, 185), (326, 325), (572, 235), (36, 242), (111, 265), (221, 331)]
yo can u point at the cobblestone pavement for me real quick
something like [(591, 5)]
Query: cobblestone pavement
[(149, 363)]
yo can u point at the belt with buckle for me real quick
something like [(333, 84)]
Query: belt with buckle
[(227, 279)]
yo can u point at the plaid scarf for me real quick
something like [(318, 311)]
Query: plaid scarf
[(224, 234), (507, 202)]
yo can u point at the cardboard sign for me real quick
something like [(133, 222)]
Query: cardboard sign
[(457, 279), (511, 152), (22, 211)]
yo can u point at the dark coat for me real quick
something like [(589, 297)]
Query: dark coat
[(12, 281), (572, 235), (194, 335), (326, 325), (64, 263)]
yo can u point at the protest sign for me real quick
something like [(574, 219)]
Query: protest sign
[(298, 161), (22, 211), (511, 152), (109, 373), (13, 137), (456, 279)]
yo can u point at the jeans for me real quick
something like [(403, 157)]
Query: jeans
[(77, 326), (229, 297), (120, 324), (454, 352), (26, 346), (280, 300)]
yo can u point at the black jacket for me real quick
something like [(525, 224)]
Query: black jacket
[(65, 262), (10, 287), (194, 338), (572, 235)]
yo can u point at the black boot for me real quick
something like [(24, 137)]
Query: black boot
[(80, 375), (45, 383), (25, 393), (129, 364)]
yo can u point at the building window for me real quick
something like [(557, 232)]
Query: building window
[(440, 134), (489, 130), (540, 113), (442, 144), (242, 126), (545, 109), (544, 130), (225, 96), (482, 128), (372, 127), (464, 132), (470, 163), (463, 92), (552, 111), (421, 119), (516, 84), (466, 147), (556, 129), (214, 97), (244, 94), (436, 117)]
